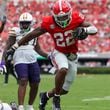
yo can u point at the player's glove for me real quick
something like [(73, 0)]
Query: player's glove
[(12, 49), (80, 33)]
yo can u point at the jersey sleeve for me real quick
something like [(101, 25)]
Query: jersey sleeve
[(45, 23), (79, 17)]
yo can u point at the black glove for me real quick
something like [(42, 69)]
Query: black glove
[(10, 52), (80, 33), (12, 49)]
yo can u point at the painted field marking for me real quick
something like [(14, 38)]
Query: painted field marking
[(77, 107), (97, 98)]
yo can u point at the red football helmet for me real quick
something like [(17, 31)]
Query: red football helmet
[(62, 13)]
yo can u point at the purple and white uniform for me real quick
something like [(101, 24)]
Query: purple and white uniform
[(25, 57)]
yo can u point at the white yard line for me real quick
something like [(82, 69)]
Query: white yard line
[(72, 107), (97, 98)]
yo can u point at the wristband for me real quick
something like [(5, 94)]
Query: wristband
[(15, 46), (91, 30)]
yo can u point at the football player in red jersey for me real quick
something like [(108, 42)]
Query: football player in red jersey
[(66, 28)]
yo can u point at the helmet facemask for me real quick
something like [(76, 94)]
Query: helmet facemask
[(25, 25), (63, 19)]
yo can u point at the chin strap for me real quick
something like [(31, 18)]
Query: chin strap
[(27, 30)]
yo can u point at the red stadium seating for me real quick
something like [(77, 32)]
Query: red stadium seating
[(96, 13)]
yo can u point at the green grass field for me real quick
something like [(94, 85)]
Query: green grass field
[(89, 92)]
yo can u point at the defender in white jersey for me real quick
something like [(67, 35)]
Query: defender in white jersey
[(5, 106), (25, 61)]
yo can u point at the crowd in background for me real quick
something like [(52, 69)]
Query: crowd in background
[(95, 11)]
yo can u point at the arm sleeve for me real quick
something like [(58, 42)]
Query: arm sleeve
[(91, 30)]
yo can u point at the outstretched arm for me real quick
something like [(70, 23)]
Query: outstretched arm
[(3, 23), (84, 30), (89, 28), (11, 40), (35, 33), (38, 49), (2, 27)]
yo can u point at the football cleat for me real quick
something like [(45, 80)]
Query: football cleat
[(56, 103), (43, 100)]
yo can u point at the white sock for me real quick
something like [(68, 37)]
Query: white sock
[(20, 107), (47, 95), (57, 95)]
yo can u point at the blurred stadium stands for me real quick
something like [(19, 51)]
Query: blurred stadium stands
[(95, 11)]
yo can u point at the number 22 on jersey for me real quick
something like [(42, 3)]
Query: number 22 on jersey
[(64, 39)]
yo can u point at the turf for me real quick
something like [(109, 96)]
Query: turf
[(89, 92)]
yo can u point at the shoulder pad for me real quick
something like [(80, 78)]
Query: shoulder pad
[(76, 14)]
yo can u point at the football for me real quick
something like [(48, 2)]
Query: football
[(80, 33)]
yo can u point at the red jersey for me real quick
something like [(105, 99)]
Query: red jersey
[(62, 37)]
